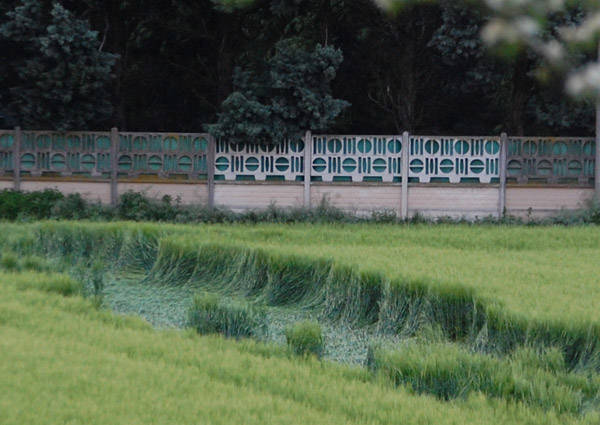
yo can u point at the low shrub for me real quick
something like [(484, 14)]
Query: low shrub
[(305, 338), (48, 282), (35, 263), (537, 377), (210, 314), (35, 205), (9, 262), (135, 206)]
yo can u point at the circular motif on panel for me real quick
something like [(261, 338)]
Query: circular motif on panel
[(57, 161), (574, 168), (559, 148), (282, 164), (88, 162), (416, 166), (221, 163), (185, 163), (125, 163), (492, 147), (349, 165), (251, 163), (394, 146), (379, 165), (334, 145), (432, 146), (319, 165), (446, 166), (297, 145), (170, 143), (103, 142), (513, 167), (476, 166), (28, 161), (364, 146), (544, 168), (199, 144), (461, 147)]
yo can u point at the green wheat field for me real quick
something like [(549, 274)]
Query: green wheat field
[(100, 323)]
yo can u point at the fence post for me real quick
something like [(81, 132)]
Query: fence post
[(307, 167), (502, 174), (114, 164), (405, 162), (17, 158), (597, 153), (210, 169)]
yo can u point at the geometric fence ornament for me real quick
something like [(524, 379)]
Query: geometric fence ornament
[(239, 161), (550, 159), (65, 153), (454, 158), (89, 153), (162, 154), (7, 140), (357, 158)]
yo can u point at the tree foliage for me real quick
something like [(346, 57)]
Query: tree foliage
[(290, 94), (57, 77), (424, 68)]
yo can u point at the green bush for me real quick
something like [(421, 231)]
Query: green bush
[(9, 262), (48, 282), (35, 205), (305, 338), (137, 206), (533, 376), (210, 314), (35, 263)]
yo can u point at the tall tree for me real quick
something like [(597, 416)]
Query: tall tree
[(56, 76), (289, 95)]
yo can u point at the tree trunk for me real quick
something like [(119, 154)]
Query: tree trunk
[(520, 94)]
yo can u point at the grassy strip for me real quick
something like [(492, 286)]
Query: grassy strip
[(66, 361), (136, 206), (533, 376), (305, 338), (210, 314), (336, 291)]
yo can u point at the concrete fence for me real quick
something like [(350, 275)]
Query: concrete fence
[(433, 175)]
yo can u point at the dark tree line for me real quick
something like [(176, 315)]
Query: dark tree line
[(178, 65)]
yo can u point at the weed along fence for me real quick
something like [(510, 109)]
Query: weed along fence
[(433, 175)]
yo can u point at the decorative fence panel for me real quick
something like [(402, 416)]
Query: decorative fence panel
[(551, 160), (356, 158), (49, 152), (454, 158), (163, 154), (243, 161), (7, 160)]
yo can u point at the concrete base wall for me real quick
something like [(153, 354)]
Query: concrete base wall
[(359, 198), (545, 201), (431, 200), (90, 190), (187, 193), (453, 201), (6, 184), (258, 195)]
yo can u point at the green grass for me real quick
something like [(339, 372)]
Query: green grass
[(538, 272), (538, 377), (305, 338), (476, 297), (211, 314), (64, 361)]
